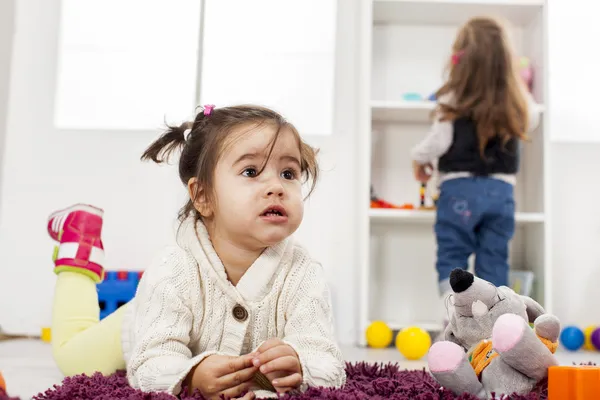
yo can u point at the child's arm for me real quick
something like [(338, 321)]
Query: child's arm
[(160, 333), (533, 113), (435, 144), (309, 331)]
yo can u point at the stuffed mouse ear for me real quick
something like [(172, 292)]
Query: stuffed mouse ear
[(533, 308)]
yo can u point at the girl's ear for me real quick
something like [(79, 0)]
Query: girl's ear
[(198, 197)]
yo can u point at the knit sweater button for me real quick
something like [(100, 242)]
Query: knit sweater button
[(240, 313)]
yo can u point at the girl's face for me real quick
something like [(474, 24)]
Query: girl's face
[(253, 210)]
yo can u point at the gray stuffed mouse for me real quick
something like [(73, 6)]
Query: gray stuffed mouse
[(489, 346)]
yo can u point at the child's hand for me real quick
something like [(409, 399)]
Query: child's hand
[(422, 171), (220, 375), (280, 363)]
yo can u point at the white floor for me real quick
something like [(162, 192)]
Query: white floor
[(28, 368)]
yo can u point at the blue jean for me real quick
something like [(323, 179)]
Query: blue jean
[(474, 215)]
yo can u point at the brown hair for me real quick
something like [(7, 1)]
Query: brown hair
[(209, 135), (484, 83)]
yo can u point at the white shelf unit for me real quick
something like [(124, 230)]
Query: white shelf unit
[(404, 45)]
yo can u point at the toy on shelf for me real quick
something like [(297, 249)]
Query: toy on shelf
[(573, 382), (521, 281), (117, 288), (412, 96), (526, 72), (376, 202), (46, 335), (413, 342), (422, 193)]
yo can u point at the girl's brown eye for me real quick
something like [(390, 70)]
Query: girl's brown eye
[(288, 174), (249, 172)]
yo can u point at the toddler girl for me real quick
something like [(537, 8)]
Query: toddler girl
[(236, 300), (483, 112)]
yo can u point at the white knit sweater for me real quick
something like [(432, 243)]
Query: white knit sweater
[(182, 313)]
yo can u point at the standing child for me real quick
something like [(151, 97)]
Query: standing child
[(483, 112), (236, 295)]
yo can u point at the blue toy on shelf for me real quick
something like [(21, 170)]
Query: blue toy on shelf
[(117, 288)]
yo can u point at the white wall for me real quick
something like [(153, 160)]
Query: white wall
[(44, 169), (576, 233), (572, 115), (7, 19)]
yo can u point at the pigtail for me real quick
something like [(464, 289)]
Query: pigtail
[(171, 140)]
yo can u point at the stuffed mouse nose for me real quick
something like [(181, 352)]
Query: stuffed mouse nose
[(460, 280)]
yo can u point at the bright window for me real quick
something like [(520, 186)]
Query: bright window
[(277, 53), (127, 64)]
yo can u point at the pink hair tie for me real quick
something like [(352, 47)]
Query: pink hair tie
[(208, 108), (456, 56)]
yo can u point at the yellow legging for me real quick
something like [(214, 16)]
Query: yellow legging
[(81, 343)]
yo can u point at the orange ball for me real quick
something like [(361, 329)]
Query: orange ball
[(2, 383)]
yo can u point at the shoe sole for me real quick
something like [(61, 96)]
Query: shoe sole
[(79, 207), (76, 207)]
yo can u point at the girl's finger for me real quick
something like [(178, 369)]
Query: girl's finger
[(273, 353), (288, 382), (236, 391), (286, 363), (273, 342), (236, 378), (233, 364)]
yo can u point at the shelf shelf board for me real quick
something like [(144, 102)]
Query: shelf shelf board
[(453, 12), (406, 111), (402, 111), (378, 215)]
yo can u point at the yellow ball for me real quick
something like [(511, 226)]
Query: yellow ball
[(587, 345), (413, 342), (379, 335)]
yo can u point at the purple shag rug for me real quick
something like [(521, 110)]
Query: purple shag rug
[(365, 381)]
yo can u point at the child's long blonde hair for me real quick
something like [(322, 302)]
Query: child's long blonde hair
[(484, 83)]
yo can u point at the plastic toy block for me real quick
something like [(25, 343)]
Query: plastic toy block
[(46, 335), (117, 288), (576, 382)]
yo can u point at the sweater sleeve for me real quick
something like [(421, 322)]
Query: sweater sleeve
[(309, 331), (162, 323), (533, 112), (438, 139), (435, 144)]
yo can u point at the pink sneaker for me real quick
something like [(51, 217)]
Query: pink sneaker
[(78, 229)]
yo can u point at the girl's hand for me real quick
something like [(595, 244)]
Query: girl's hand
[(422, 171), (280, 363), (220, 375)]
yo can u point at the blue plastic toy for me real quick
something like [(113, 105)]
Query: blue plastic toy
[(411, 96), (117, 288), (572, 338)]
